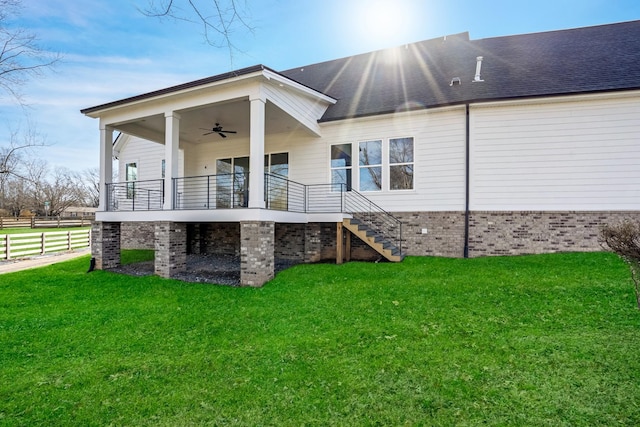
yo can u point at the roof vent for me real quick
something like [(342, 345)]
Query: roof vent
[(478, 67), (455, 81)]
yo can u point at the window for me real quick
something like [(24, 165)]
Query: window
[(277, 164), (401, 164), (341, 166), (276, 189), (370, 162), (131, 175)]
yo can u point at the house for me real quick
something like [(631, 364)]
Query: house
[(451, 146), (79, 211)]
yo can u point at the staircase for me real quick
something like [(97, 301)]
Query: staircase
[(374, 238)]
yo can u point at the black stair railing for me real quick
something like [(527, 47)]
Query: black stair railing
[(377, 219)]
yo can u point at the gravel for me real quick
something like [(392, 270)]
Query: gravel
[(207, 268)]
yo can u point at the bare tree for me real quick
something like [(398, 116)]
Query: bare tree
[(21, 57), (624, 240), (219, 19), (13, 160), (88, 187), (59, 191)]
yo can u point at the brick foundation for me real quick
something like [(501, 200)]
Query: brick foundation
[(171, 248), (517, 233), (137, 235), (444, 236), (257, 263), (490, 233), (105, 244), (505, 233)]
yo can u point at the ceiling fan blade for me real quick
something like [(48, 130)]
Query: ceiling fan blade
[(222, 134), (208, 133), (228, 131)]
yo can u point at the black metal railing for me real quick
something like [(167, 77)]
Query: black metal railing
[(223, 191), (226, 191), (284, 194), (363, 209), (135, 195)]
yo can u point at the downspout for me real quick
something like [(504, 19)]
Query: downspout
[(466, 184)]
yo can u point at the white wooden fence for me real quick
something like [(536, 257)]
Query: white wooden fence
[(29, 244), (44, 222)]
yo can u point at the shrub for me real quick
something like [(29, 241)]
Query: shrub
[(624, 240)]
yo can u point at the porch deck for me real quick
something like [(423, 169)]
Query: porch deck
[(227, 191), (225, 198)]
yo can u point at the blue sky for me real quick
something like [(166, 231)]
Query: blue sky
[(110, 50)]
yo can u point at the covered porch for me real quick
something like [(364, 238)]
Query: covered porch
[(216, 168)]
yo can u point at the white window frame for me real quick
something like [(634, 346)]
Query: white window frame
[(349, 168), (380, 165), (131, 192), (389, 165)]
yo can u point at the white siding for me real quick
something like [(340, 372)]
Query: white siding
[(148, 156), (439, 157), (582, 154), (302, 108)]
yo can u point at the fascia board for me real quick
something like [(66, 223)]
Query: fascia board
[(270, 75)]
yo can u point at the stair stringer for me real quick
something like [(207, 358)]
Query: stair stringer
[(360, 230)]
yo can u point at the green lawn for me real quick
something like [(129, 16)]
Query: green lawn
[(547, 340)]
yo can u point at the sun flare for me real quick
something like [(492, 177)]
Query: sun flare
[(383, 21)]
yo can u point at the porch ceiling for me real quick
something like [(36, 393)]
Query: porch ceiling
[(231, 115)]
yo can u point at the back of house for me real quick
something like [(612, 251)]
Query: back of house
[(450, 146)]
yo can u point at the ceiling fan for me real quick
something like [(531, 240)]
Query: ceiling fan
[(217, 129)]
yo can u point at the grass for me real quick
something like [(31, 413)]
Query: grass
[(548, 340), (25, 230)]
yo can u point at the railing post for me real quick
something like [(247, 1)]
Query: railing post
[(266, 191), (133, 199), (69, 240), (8, 248), (174, 188), (208, 191), (43, 243)]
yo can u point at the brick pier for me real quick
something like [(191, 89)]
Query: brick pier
[(105, 244), (257, 261), (171, 248)]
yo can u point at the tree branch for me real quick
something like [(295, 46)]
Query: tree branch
[(218, 28)]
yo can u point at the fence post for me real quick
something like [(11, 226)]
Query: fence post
[(1, 226), (43, 243), (33, 222), (8, 254)]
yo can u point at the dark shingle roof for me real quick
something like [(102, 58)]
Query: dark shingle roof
[(418, 75), (582, 60)]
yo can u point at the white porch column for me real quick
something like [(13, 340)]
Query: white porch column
[(256, 153), (171, 148), (106, 164)]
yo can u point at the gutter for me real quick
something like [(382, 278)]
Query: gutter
[(466, 184)]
